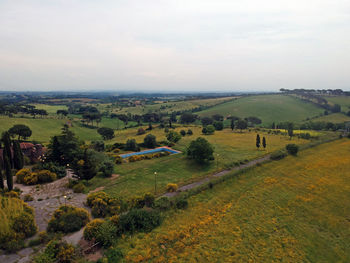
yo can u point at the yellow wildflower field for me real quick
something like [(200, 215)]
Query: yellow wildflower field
[(293, 210)]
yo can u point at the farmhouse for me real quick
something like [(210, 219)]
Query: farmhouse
[(32, 151)]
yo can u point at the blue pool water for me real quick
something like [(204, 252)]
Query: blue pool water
[(161, 149)]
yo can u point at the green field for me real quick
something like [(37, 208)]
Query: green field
[(269, 108), (293, 210), (51, 109), (334, 118), (138, 178), (343, 101)]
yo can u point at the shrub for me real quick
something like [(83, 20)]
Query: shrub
[(173, 136), (91, 197), (91, 229), (57, 252), (12, 241), (183, 133), (148, 199), (45, 176), (106, 234), (278, 155), (118, 160), (21, 174), (31, 179), (181, 203), (171, 188), (292, 149), (43, 237), (210, 129), (79, 188), (162, 203), (150, 141), (189, 132), (141, 131), (24, 224), (68, 219), (115, 219), (131, 145), (99, 208), (60, 171), (219, 125), (107, 168), (114, 255), (12, 194), (139, 220)]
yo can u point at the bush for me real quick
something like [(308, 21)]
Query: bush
[(114, 255), (21, 174), (79, 188), (60, 171), (118, 160), (148, 199), (171, 188), (43, 237), (131, 145), (91, 229), (278, 155), (68, 219), (139, 220), (150, 141), (162, 203), (107, 168), (45, 176), (106, 234), (99, 208), (28, 198), (12, 241), (183, 133), (208, 130), (31, 179), (173, 136), (292, 149), (12, 194), (91, 197), (219, 125), (57, 252), (181, 203), (141, 131), (24, 224), (189, 132)]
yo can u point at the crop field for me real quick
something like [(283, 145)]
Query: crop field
[(170, 106), (334, 118), (269, 108), (343, 101), (293, 210), (138, 177)]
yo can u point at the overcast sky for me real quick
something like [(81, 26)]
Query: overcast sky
[(165, 45)]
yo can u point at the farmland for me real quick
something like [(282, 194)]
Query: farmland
[(334, 118), (230, 147), (294, 210), (343, 101), (269, 108)]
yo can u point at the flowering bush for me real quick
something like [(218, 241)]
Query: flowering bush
[(171, 188), (90, 231)]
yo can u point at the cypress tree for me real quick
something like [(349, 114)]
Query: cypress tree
[(18, 161), (264, 142), (258, 141), (232, 124), (1, 176), (7, 159)]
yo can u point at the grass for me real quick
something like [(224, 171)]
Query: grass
[(293, 210), (51, 109), (343, 101), (334, 118), (9, 208), (269, 108), (138, 178)]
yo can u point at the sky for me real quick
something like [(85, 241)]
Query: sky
[(180, 45)]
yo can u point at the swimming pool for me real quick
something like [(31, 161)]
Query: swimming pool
[(160, 149)]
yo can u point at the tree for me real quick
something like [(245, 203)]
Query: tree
[(292, 149), (188, 117), (206, 121), (20, 130), (2, 185), (232, 124), (106, 133), (173, 136), (219, 125), (264, 142), (86, 168), (200, 150), (258, 141), (131, 145), (150, 141), (218, 117), (7, 157), (273, 126), (290, 129), (183, 132), (62, 112), (253, 120), (18, 160), (150, 127), (241, 124), (141, 131)]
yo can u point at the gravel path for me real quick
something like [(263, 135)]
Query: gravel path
[(219, 174)]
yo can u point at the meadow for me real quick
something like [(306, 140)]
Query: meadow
[(269, 108), (293, 210), (230, 147), (343, 101), (334, 118)]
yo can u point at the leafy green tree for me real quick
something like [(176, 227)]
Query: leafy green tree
[(219, 125), (258, 141), (290, 127), (188, 117), (183, 133), (21, 131), (7, 158), (200, 150), (264, 142), (232, 124), (189, 132), (131, 145), (218, 117), (150, 141), (292, 149), (2, 185), (206, 121), (18, 159), (241, 124), (173, 136), (106, 133)]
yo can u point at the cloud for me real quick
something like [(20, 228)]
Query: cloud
[(174, 45)]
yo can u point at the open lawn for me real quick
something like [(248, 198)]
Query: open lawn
[(138, 177), (293, 210), (269, 108)]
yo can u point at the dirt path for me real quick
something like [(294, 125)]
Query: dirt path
[(219, 174)]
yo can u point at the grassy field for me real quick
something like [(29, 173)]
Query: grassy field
[(334, 118), (269, 108), (167, 106), (294, 210), (138, 177), (51, 109), (343, 101)]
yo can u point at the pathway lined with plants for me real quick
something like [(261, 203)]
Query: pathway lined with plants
[(218, 174)]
